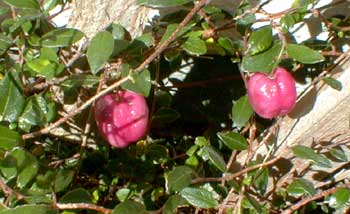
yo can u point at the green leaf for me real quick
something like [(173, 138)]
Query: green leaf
[(8, 138), (214, 157), (123, 194), (11, 98), (300, 187), (335, 84), (251, 203), (81, 80), (290, 19), (99, 50), (61, 38), (5, 43), (63, 179), (173, 202), (233, 140), (338, 154), (304, 54), (26, 164), (45, 68), (201, 141), (28, 209), (162, 3), (118, 31), (227, 44), (27, 4), (195, 46), (34, 113), (79, 195), (301, 3), (262, 62), (199, 197), (241, 112), (165, 115), (129, 207), (179, 178), (305, 152), (157, 153), (260, 180), (260, 40), (339, 198), (140, 83)]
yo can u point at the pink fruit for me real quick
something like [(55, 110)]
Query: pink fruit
[(274, 95), (122, 117)]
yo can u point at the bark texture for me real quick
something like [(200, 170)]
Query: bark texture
[(91, 16)]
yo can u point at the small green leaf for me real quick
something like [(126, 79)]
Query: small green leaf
[(34, 113), (26, 164), (195, 46), (8, 138), (179, 178), (214, 157), (251, 203), (300, 187), (165, 115), (335, 84), (162, 3), (260, 40), (227, 44), (5, 43), (45, 68), (201, 141), (63, 179), (129, 207), (140, 83), (99, 50), (263, 62), (304, 54), (81, 80), (260, 180), (123, 194), (305, 152), (241, 112), (118, 31), (173, 202), (11, 98), (338, 154), (61, 38), (233, 140), (25, 4), (27, 209), (79, 195), (199, 197), (339, 198)]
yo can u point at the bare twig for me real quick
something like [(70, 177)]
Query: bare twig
[(313, 198), (162, 46), (85, 206), (230, 177)]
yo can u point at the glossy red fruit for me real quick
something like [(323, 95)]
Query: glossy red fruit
[(273, 95), (122, 117)]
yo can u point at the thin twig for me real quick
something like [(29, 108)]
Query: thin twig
[(85, 206), (313, 198), (230, 177), (162, 46)]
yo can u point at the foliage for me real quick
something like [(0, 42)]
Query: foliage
[(53, 160)]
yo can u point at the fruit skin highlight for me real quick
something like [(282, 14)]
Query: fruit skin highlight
[(273, 95), (122, 117)]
